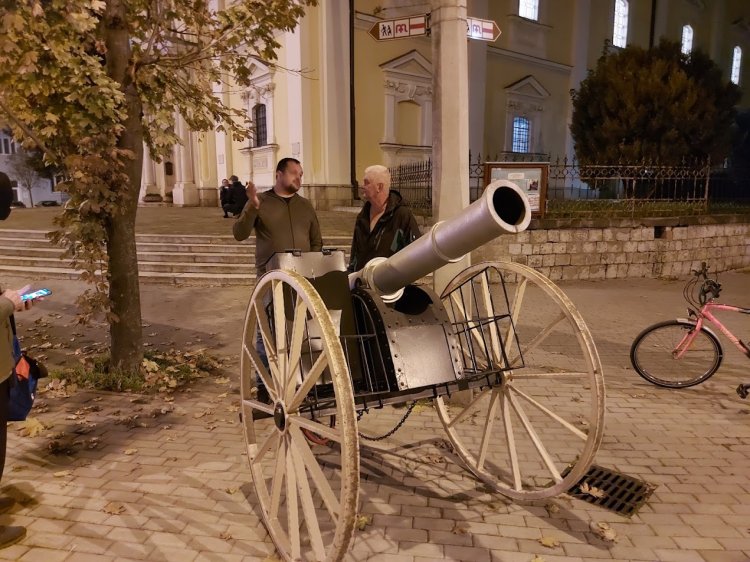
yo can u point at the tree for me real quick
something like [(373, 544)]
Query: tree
[(89, 82), (28, 168), (653, 105)]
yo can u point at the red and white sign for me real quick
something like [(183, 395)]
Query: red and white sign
[(413, 26), (484, 30)]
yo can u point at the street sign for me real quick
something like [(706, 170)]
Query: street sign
[(484, 30), (413, 26)]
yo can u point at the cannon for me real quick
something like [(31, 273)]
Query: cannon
[(507, 360)]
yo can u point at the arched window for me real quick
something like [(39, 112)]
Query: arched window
[(687, 39), (260, 129), (736, 61), (620, 30), (521, 130), (528, 9)]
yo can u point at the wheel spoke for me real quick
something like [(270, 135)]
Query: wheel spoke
[(308, 509), (295, 348), (278, 479), (271, 350), (541, 375), (541, 449), (515, 311), (279, 320), (309, 381), (268, 444), (260, 368), (465, 412), (487, 433), (321, 483), (538, 339), (292, 506), (570, 427), (260, 406), (331, 433), (511, 442)]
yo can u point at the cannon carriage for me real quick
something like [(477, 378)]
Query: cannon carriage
[(508, 361)]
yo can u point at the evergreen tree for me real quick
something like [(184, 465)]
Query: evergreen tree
[(653, 105)]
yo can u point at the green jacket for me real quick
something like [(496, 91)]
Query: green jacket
[(395, 229), (280, 224), (7, 362)]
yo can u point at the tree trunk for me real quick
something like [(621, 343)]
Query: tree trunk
[(126, 334)]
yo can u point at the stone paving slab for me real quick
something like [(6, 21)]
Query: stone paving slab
[(175, 486)]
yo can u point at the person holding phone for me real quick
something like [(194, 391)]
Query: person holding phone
[(10, 302)]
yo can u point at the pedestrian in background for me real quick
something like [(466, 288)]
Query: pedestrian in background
[(236, 197), (224, 195)]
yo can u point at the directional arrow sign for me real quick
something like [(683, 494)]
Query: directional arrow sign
[(484, 30), (412, 26)]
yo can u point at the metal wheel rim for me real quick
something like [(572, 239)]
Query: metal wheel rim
[(299, 459), (500, 400)]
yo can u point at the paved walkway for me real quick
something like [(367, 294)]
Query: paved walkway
[(125, 477)]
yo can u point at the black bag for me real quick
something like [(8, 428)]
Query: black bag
[(23, 380)]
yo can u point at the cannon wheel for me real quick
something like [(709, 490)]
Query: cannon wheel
[(533, 433), (307, 492)]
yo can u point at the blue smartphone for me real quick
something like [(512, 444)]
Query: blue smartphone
[(36, 294)]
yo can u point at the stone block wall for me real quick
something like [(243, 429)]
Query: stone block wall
[(625, 248)]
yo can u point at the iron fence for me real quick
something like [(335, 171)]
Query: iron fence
[(575, 189)]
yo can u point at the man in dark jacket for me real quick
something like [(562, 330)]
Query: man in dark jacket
[(224, 195), (385, 224), (236, 197), (282, 218)]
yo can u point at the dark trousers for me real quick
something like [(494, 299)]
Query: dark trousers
[(4, 398)]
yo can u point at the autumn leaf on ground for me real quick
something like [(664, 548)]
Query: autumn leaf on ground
[(62, 473), (150, 366), (592, 490), (362, 521), (459, 529), (231, 490), (222, 380), (113, 508), (131, 451), (549, 542), (603, 531), (552, 508), (31, 427), (537, 558), (272, 558), (225, 536)]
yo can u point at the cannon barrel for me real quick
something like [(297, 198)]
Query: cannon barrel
[(502, 209)]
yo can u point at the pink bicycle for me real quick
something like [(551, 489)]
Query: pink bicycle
[(686, 351)]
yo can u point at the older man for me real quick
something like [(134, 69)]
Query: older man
[(385, 224)]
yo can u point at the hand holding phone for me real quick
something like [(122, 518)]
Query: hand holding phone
[(36, 294)]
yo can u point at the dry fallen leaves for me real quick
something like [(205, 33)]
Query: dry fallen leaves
[(31, 427), (603, 531), (225, 536), (592, 490), (131, 451), (362, 521), (549, 542), (62, 473), (459, 529), (113, 508), (537, 558)]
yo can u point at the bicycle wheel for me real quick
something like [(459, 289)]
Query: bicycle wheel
[(654, 354)]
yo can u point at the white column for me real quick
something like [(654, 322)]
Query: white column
[(294, 103), (185, 193), (579, 55), (450, 149)]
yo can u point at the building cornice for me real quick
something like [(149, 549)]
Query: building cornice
[(528, 59)]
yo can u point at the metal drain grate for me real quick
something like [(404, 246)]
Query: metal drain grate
[(612, 490)]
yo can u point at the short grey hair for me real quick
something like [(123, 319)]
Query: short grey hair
[(379, 174)]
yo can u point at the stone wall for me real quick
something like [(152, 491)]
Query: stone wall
[(626, 248)]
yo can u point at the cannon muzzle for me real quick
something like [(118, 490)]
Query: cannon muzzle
[(502, 209)]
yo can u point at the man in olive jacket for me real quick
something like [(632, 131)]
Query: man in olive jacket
[(385, 224), (282, 219), (10, 302)]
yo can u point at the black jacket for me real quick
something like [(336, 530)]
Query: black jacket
[(395, 229), (236, 198)]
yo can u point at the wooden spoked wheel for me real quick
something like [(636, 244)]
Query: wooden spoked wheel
[(307, 492), (532, 431)]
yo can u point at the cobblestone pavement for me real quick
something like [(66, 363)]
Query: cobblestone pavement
[(137, 478)]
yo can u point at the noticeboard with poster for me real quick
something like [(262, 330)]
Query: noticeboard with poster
[(531, 177)]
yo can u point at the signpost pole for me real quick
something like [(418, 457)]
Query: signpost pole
[(450, 120)]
